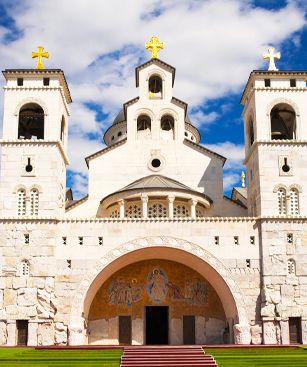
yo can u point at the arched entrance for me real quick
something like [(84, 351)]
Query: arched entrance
[(163, 248)]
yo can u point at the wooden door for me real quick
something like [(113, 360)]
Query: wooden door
[(295, 330), (22, 332), (188, 329), (124, 330)]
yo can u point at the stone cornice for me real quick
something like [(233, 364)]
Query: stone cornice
[(272, 142), (58, 143), (276, 218), (104, 150)]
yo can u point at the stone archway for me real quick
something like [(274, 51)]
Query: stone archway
[(162, 247)]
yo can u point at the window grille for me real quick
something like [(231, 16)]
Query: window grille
[(294, 202), (25, 268), (114, 213), (282, 208), (291, 267), (133, 211), (21, 202), (34, 202), (180, 211), (157, 210)]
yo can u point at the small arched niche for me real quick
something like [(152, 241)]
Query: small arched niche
[(251, 134), (143, 126), (31, 122), (155, 86), (167, 127), (283, 122)]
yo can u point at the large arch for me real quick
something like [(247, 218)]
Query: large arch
[(179, 250)]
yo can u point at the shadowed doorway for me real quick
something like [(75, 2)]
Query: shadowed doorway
[(156, 324)]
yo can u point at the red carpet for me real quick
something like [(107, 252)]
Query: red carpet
[(168, 356)]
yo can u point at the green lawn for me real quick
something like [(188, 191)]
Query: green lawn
[(11, 357), (259, 357)]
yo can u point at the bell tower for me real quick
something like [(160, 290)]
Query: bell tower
[(34, 142), (275, 124)]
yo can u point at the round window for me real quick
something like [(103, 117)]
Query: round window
[(156, 163)]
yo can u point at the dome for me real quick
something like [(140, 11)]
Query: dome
[(119, 118)]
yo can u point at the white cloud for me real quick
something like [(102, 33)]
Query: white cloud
[(233, 152), (213, 44), (230, 180), (79, 185), (201, 119)]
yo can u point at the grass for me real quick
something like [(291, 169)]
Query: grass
[(259, 357), (14, 357)]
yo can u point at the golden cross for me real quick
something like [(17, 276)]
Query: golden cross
[(271, 56), (40, 54), (154, 46)]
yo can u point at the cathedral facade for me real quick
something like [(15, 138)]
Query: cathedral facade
[(155, 253)]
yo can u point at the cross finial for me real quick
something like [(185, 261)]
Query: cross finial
[(243, 179), (272, 56), (154, 46), (40, 54)]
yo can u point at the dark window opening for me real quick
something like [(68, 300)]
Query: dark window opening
[(20, 82), (186, 134), (251, 133), (143, 123), (119, 133), (283, 122), (285, 167), (167, 123), (156, 163), (46, 81), (31, 122), (62, 129), (29, 167), (155, 84), (292, 83), (267, 82), (248, 263)]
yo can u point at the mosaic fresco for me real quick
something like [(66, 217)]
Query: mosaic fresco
[(155, 282)]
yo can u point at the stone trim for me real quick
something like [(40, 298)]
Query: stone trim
[(272, 142), (58, 143), (204, 149)]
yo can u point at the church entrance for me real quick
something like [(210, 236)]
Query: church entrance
[(156, 324)]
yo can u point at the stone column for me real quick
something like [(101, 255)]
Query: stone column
[(11, 333), (144, 198), (32, 333), (193, 204), (121, 204), (284, 331), (171, 199)]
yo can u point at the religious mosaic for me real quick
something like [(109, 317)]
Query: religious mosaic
[(158, 288)]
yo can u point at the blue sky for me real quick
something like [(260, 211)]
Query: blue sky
[(214, 45)]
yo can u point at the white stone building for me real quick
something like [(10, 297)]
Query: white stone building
[(155, 253)]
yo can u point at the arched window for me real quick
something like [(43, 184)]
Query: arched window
[(291, 268), (133, 211), (282, 207), (199, 211), (62, 129), (167, 123), (21, 202), (294, 202), (34, 202), (155, 86), (143, 123), (251, 132), (24, 268), (157, 210), (31, 122), (283, 122)]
